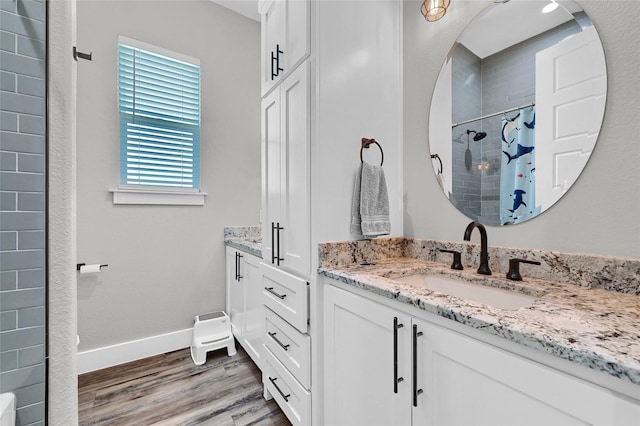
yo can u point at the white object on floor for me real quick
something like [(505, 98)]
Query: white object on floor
[(211, 332), (7, 409)]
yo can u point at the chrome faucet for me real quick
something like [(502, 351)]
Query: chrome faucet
[(484, 250)]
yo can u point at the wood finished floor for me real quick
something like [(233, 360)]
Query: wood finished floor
[(170, 390)]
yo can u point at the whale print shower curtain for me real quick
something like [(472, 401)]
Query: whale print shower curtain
[(517, 173)]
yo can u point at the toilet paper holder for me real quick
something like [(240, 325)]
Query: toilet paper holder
[(79, 265)]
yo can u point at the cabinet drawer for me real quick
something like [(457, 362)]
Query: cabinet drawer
[(289, 346), (293, 399), (286, 295)]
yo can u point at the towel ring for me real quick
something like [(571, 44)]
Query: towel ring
[(365, 144), (436, 156)]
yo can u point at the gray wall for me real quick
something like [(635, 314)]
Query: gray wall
[(166, 263), (22, 205), (599, 214)]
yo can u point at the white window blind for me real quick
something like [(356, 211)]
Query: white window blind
[(159, 102)]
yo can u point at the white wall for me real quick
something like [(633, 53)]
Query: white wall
[(359, 88), (600, 213), (166, 263)]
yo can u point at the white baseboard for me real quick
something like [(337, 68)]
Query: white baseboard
[(96, 359)]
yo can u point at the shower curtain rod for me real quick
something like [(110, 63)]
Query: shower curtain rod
[(493, 115)]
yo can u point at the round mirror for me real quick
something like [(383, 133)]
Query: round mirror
[(517, 109)]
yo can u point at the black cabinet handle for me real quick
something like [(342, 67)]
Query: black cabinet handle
[(273, 336), (238, 257), (275, 58), (278, 53), (278, 229), (286, 397), (273, 240), (416, 391), (270, 290), (396, 379), (275, 243)]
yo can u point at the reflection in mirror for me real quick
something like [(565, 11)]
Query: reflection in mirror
[(526, 92)]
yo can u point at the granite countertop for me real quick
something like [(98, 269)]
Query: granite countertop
[(245, 238), (593, 327)]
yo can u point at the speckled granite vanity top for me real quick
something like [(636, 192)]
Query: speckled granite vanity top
[(245, 238), (591, 326)]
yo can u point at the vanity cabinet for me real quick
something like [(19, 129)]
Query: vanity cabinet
[(285, 174), (366, 381), (244, 301), (424, 374), (285, 38)]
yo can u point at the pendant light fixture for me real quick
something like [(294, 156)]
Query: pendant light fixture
[(432, 10)]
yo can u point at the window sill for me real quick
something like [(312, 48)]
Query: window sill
[(157, 197)]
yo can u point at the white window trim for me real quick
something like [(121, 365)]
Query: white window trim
[(167, 197), (158, 50), (149, 195)]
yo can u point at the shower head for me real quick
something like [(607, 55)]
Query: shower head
[(478, 135)]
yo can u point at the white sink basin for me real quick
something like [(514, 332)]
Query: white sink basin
[(489, 296)]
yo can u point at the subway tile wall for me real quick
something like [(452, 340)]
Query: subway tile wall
[(23, 206)]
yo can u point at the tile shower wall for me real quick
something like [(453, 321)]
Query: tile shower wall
[(22, 206), (467, 98), (496, 83)]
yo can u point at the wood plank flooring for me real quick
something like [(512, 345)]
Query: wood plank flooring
[(170, 390)]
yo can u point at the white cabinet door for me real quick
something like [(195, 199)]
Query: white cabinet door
[(285, 174), (235, 292), (244, 301), (285, 39), (296, 33), (367, 382), (253, 331), (271, 27), (295, 208), (466, 381), (271, 173)]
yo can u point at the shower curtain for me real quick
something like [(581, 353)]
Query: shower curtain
[(517, 173)]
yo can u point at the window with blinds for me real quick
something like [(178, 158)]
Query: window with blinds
[(159, 103)]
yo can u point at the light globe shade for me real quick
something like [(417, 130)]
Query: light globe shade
[(432, 10)]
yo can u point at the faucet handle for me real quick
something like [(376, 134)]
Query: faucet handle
[(457, 259), (514, 268)]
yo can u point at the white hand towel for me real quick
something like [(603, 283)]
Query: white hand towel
[(370, 205)]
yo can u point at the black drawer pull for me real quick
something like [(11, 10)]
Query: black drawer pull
[(286, 397), (270, 290), (273, 336)]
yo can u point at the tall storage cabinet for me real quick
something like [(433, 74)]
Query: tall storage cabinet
[(331, 75), (286, 232)]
